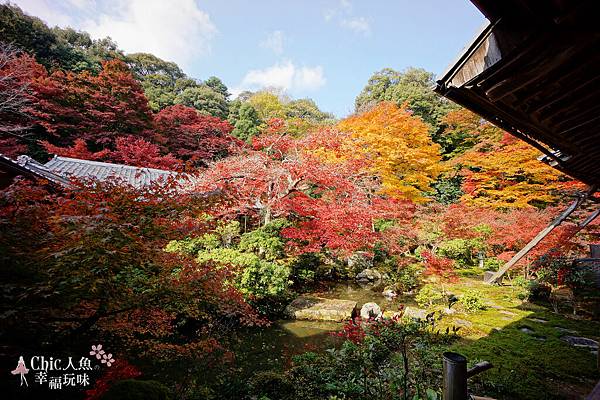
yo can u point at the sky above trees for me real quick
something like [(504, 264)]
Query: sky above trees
[(323, 49)]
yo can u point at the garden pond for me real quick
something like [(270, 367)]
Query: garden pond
[(272, 347)]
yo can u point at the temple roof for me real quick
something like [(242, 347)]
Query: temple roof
[(534, 71)]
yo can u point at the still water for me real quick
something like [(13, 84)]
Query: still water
[(272, 347)]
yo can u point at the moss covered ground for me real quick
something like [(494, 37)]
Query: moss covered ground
[(523, 341)]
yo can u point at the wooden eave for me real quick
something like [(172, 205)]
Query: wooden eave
[(534, 71)]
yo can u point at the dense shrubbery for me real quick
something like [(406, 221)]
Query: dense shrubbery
[(378, 359), (429, 295), (472, 300)]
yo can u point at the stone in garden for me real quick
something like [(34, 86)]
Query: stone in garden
[(507, 312), (463, 322), (369, 275), (370, 310), (390, 292), (359, 261), (582, 342), (319, 309), (565, 330), (413, 312), (538, 320), (526, 329)]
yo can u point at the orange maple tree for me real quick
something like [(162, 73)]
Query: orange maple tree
[(399, 148)]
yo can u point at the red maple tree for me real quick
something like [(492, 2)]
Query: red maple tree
[(193, 137), (95, 108)]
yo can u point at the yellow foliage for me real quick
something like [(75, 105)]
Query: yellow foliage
[(507, 174), (268, 105), (399, 148)]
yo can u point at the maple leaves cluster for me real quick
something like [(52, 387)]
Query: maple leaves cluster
[(106, 117), (95, 256)]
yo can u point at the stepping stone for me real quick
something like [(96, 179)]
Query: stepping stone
[(413, 312), (539, 320), (526, 329), (319, 309), (581, 342), (565, 330), (507, 312), (463, 322)]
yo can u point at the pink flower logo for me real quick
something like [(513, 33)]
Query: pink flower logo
[(107, 359), (98, 352)]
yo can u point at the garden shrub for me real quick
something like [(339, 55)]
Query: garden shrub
[(258, 255), (381, 359), (463, 251), (472, 300), (492, 264), (529, 289), (428, 295), (406, 278), (270, 385), (305, 267)]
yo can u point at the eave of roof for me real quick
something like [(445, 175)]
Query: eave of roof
[(535, 74)]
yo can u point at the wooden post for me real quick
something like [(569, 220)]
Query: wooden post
[(540, 236)]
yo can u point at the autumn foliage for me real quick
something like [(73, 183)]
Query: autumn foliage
[(105, 270), (169, 271), (193, 137), (500, 170), (399, 147)]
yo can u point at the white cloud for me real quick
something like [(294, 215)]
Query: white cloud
[(346, 5), (286, 76), (45, 10), (358, 24), (274, 42), (175, 32), (343, 14), (83, 4)]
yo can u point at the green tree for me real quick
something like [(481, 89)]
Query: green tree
[(87, 54), (245, 120), (162, 80), (144, 64), (218, 86), (268, 105), (412, 86), (306, 109), (205, 100), (55, 48)]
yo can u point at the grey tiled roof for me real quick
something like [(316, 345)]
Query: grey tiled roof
[(77, 168)]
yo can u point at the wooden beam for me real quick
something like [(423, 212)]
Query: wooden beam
[(540, 236)]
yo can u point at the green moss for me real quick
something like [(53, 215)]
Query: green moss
[(528, 365)]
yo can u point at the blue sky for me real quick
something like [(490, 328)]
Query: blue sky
[(322, 49)]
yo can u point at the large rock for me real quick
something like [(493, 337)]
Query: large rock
[(370, 310), (369, 275), (359, 261), (413, 312), (319, 309)]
